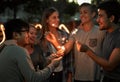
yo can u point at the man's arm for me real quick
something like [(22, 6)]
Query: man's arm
[(25, 65), (109, 64)]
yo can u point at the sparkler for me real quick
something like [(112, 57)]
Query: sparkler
[(38, 26), (2, 29), (74, 31), (64, 27)]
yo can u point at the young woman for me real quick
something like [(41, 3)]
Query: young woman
[(50, 23), (34, 49)]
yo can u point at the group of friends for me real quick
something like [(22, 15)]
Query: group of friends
[(91, 54)]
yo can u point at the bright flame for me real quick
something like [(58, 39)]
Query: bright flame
[(64, 27), (2, 29)]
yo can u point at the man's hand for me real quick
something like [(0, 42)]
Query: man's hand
[(56, 61), (81, 47)]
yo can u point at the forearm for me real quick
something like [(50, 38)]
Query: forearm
[(99, 60), (70, 77), (68, 46)]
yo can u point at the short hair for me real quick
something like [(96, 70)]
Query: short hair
[(14, 25), (111, 8), (92, 7)]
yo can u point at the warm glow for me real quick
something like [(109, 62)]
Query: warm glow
[(2, 30), (70, 1), (55, 0), (38, 26), (82, 1), (62, 26)]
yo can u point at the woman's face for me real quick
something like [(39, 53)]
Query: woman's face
[(32, 35), (53, 20), (85, 14)]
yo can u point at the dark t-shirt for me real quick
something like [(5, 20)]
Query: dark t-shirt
[(111, 41)]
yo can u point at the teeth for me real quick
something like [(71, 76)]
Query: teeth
[(53, 24)]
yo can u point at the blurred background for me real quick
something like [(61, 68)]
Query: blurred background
[(32, 10)]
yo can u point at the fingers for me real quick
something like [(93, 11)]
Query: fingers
[(78, 45), (60, 52), (59, 58), (48, 36)]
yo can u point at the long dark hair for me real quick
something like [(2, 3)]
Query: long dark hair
[(46, 14)]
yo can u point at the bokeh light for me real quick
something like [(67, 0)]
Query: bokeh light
[(82, 1)]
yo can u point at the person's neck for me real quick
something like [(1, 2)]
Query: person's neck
[(112, 27), (87, 27), (52, 29), (55, 32), (30, 48)]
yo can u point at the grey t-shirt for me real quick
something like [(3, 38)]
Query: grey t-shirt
[(85, 68)]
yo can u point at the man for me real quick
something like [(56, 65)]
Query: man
[(108, 17), (15, 62)]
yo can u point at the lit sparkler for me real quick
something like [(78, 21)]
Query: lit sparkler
[(2, 30), (74, 31), (64, 27)]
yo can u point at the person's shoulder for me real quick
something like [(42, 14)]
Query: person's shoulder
[(17, 49)]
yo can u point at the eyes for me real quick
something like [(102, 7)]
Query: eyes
[(83, 12), (55, 17), (100, 15)]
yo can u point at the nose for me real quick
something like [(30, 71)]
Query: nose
[(58, 19), (97, 19), (27, 34)]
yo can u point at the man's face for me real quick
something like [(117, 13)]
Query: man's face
[(103, 20), (23, 37)]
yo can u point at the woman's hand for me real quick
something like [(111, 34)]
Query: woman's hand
[(78, 45), (50, 37)]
